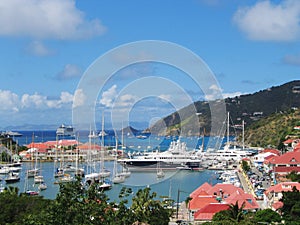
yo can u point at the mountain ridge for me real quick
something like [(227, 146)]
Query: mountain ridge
[(248, 108)]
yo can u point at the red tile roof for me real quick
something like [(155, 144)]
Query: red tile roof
[(275, 151), (288, 141), (297, 147), (67, 142), (203, 187), (241, 197), (281, 169), (284, 186), (277, 205), (287, 158), (226, 189), (207, 212), (88, 147)]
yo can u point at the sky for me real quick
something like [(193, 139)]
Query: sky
[(49, 47)]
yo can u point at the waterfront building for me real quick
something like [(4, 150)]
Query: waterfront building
[(273, 194), (208, 200)]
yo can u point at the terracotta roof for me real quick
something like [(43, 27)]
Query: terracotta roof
[(204, 187), (201, 201), (287, 158), (67, 142), (209, 211), (281, 169), (88, 147), (37, 145), (284, 186), (277, 205), (241, 197), (275, 151), (297, 147), (288, 141), (226, 189)]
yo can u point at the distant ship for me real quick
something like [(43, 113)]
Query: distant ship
[(11, 134), (64, 130)]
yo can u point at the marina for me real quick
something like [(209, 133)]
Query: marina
[(166, 186)]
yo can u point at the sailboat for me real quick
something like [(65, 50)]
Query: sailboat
[(105, 185), (34, 171), (117, 177), (159, 172), (26, 187), (125, 171)]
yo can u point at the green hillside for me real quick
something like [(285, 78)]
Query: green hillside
[(273, 130), (250, 108)]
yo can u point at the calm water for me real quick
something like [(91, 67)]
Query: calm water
[(185, 181)]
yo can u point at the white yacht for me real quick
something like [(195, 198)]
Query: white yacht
[(176, 156), (64, 130)]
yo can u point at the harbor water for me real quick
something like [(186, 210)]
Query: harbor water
[(184, 181), (180, 182)]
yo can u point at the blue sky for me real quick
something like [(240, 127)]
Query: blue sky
[(47, 45)]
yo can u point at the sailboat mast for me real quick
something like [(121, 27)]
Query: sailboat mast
[(243, 125), (227, 128), (102, 142)]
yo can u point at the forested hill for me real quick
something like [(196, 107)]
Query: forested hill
[(250, 108), (271, 131)]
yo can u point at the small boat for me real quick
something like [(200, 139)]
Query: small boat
[(66, 178), (38, 179), (12, 178), (125, 172), (159, 173), (32, 172), (118, 178), (104, 186), (42, 186), (31, 193), (4, 170)]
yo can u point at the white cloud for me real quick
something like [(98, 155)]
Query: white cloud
[(79, 98), (35, 100), (126, 100), (214, 92), (69, 71), (9, 101), (37, 48), (108, 96), (66, 97), (55, 19), (269, 21), (234, 94)]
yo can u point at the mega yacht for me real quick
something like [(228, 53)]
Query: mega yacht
[(175, 157)]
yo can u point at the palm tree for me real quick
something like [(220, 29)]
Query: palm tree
[(236, 213)]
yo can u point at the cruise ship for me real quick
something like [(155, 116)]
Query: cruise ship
[(177, 156), (64, 130)]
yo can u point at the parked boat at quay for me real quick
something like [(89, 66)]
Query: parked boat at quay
[(176, 156)]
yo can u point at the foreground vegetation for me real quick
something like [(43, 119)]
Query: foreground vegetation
[(78, 205), (75, 204)]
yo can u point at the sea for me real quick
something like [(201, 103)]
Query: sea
[(176, 184)]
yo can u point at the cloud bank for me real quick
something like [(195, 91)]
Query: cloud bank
[(46, 19), (268, 21)]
